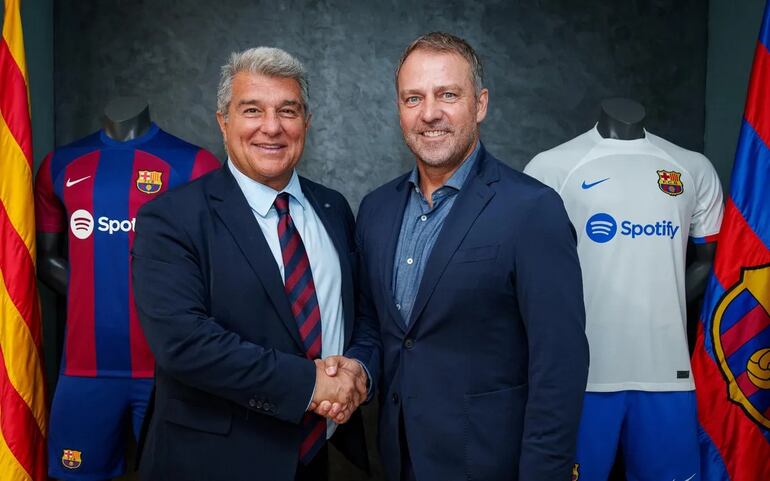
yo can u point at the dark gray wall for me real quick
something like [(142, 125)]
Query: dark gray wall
[(733, 29), (548, 64)]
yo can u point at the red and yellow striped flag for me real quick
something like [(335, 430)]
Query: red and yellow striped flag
[(23, 422)]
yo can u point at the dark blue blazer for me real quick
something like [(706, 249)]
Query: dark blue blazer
[(490, 371), (232, 381)]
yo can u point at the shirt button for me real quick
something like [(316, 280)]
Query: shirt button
[(410, 261), (423, 218), (398, 306)]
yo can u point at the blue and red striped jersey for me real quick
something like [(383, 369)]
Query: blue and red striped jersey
[(93, 188)]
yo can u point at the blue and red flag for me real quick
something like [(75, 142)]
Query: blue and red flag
[(731, 363)]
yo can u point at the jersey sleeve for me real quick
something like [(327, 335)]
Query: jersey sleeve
[(542, 169), (204, 163), (49, 211), (707, 217)]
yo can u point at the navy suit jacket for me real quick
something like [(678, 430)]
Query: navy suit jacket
[(232, 380), (490, 371)]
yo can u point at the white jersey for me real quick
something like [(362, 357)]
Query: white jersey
[(634, 203)]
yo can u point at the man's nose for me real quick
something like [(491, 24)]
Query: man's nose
[(431, 110), (271, 124)]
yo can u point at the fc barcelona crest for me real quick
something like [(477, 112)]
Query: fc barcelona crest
[(149, 181), (670, 182), (70, 458), (741, 336)]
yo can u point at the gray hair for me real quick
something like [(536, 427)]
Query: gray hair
[(447, 43), (272, 62)]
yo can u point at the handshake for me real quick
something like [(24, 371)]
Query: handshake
[(340, 387)]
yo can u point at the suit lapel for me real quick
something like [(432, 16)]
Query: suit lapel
[(332, 221), (471, 200), (232, 208)]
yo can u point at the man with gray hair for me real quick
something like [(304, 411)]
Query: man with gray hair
[(243, 282), (471, 272)]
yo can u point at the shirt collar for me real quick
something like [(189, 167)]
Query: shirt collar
[(459, 176), (261, 197)]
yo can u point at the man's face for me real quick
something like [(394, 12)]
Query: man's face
[(438, 109), (265, 128)]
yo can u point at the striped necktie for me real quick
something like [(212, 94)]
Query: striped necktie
[(300, 290)]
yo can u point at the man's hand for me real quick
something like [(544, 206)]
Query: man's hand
[(340, 388)]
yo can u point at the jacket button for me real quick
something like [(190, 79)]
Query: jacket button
[(409, 343), (395, 398), (252, 403)]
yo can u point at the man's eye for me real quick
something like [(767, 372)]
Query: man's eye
[(289, 113), (250, 110), (412, 100), (449, 95)]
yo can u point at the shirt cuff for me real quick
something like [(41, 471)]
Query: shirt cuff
[(368, 379), (312, 395)]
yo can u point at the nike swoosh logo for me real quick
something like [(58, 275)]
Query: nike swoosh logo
[(588, 186), (70, 183)]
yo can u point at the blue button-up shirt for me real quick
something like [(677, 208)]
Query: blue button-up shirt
[(419, 230)]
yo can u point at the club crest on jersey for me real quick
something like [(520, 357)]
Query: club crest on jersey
[(670, 182), (149, 181), (742, 346), (70, 458), (575, 472)]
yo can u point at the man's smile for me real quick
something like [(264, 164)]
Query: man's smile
[(434, 133)]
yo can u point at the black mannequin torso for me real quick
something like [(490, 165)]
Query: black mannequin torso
[(125, 118), (621, 119)]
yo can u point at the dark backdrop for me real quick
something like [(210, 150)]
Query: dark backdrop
[(548, 64)]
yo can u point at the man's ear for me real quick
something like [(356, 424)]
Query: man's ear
[(222, 121), (481, 105)]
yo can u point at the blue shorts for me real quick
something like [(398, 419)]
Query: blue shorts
[(89, 418), (657, 433)]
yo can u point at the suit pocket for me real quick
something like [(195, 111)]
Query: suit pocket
[(493, 429), (476, 254), (208, 419)]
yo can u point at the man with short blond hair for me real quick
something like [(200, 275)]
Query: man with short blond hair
[(472, 274)]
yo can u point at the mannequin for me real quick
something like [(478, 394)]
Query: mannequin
[(623, 119), (620, 185), (125, 118), (87, 194)]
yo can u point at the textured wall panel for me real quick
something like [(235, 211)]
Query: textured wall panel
[(548, 64)]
